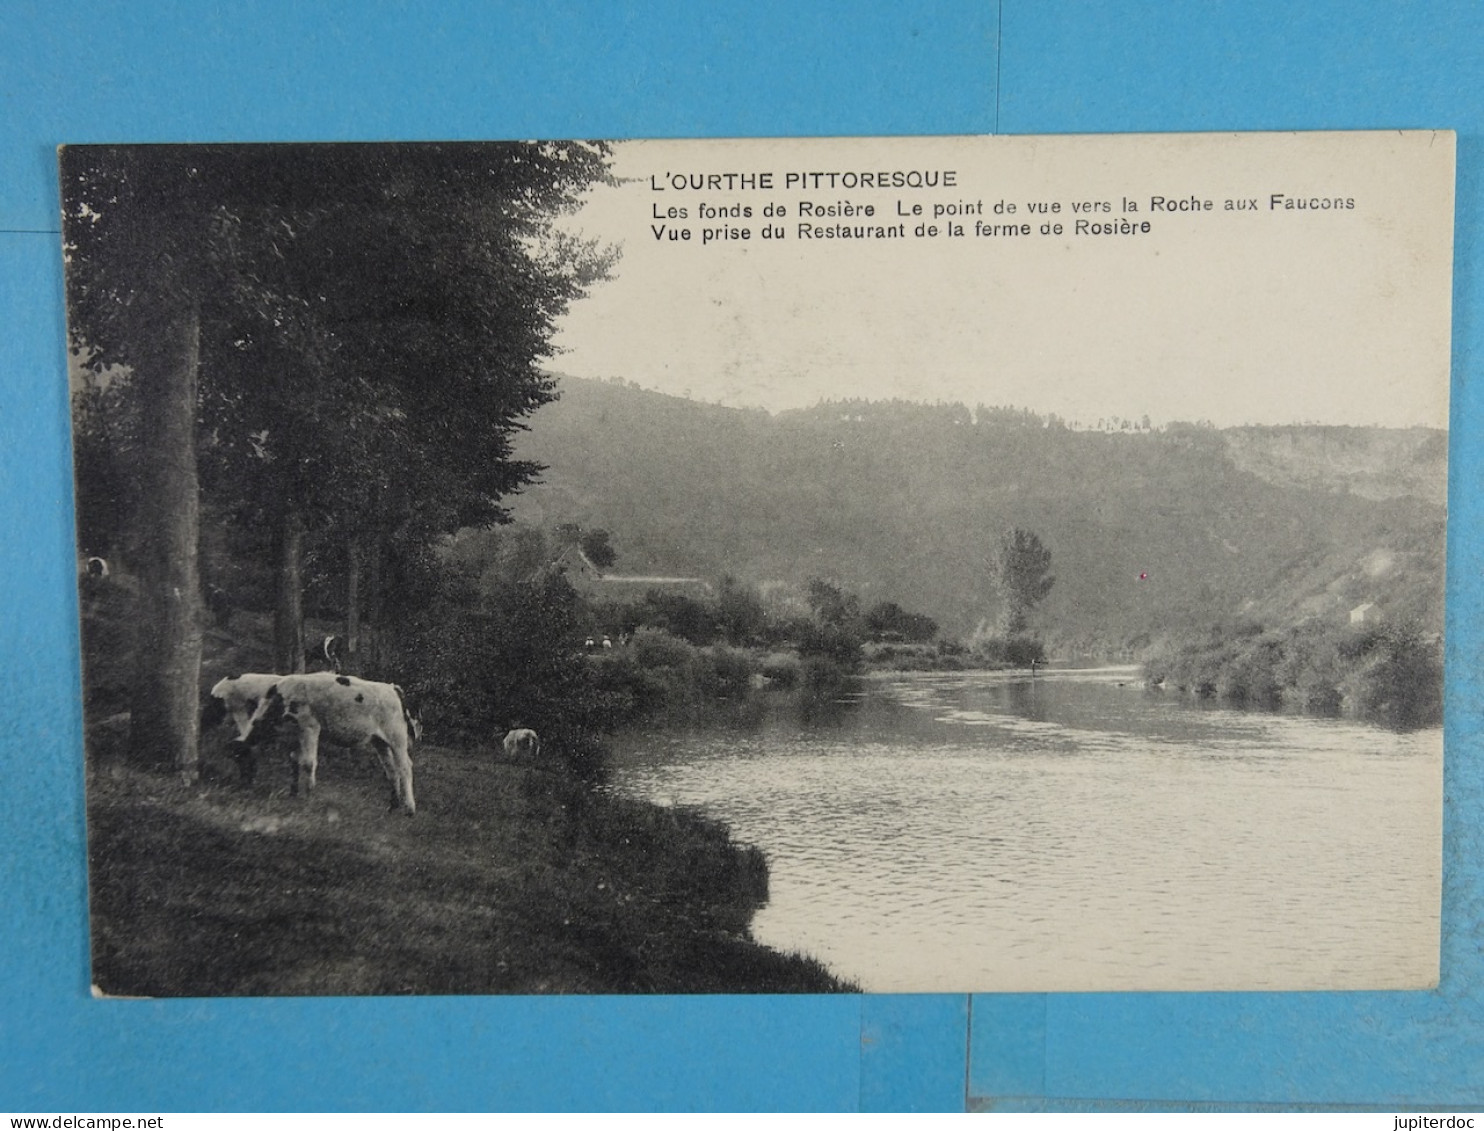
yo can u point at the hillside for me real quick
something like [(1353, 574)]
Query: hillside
[(1376, 463), (901, 501)]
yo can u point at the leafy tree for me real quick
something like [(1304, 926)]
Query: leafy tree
[(835, 632), (1021, 574), (141, 258), (832, 606), (355, 330), (739, 612), (593, 543), (481, 668), (889, 618), (691, 619), (596, 546), (393, 415), (523, 553)]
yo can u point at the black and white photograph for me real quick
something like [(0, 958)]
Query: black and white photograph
[(896, 565)]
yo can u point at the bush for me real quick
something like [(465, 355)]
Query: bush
[(1401, 683), (830, 642), (659, 676), (109, 622), (1250, 677), (656, 648), (781, 669), (691, 619), (631, 690), (1387, 674), (477, 672), (824, 686), (1011, 652), (888, 621), (730, 673)]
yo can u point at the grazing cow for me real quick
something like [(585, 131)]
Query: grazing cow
[(348, 712), (522, 743), (239, 698)]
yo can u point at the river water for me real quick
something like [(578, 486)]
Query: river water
[(986, 831)]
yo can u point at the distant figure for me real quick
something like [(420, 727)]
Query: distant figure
[(219, 605), (1034, 662), (330, 650), (607, 643), (588, 643), (522, 743)]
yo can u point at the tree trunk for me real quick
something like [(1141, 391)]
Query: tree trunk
[(352, 598), (165, 710), (373, 603), (288, 609)]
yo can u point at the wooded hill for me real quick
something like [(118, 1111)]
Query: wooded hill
[(902, 501)]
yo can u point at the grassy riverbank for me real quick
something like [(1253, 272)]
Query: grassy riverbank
[(511, 879)]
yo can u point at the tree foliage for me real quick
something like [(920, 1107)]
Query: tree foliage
[(139, 253), (740, 614), (888, 620), (832, 606), (598, 548), (479, 667), (1021, 573), (351, 331)]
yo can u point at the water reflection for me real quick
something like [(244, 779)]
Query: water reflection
[(978, 831)]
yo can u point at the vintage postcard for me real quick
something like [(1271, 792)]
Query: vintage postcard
[(808, 565)]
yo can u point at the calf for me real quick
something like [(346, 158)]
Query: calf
[(348, 712), (522, 743), (239, 698)]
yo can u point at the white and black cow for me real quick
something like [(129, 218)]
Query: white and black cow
[(238, 698), (347, 712)]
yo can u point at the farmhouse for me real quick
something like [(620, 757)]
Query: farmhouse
[(588, 578)]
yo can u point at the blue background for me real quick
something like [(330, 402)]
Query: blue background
[(275, 70)]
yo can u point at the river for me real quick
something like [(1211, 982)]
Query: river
[(986, 831)]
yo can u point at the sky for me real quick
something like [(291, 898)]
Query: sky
[(1266, 313)]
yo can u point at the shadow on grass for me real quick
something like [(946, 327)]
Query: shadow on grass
[(511, 879)]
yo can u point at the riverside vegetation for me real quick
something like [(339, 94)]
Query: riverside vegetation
[(515, 877), (1387, 674), (1228, 560), (1156, 532)]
